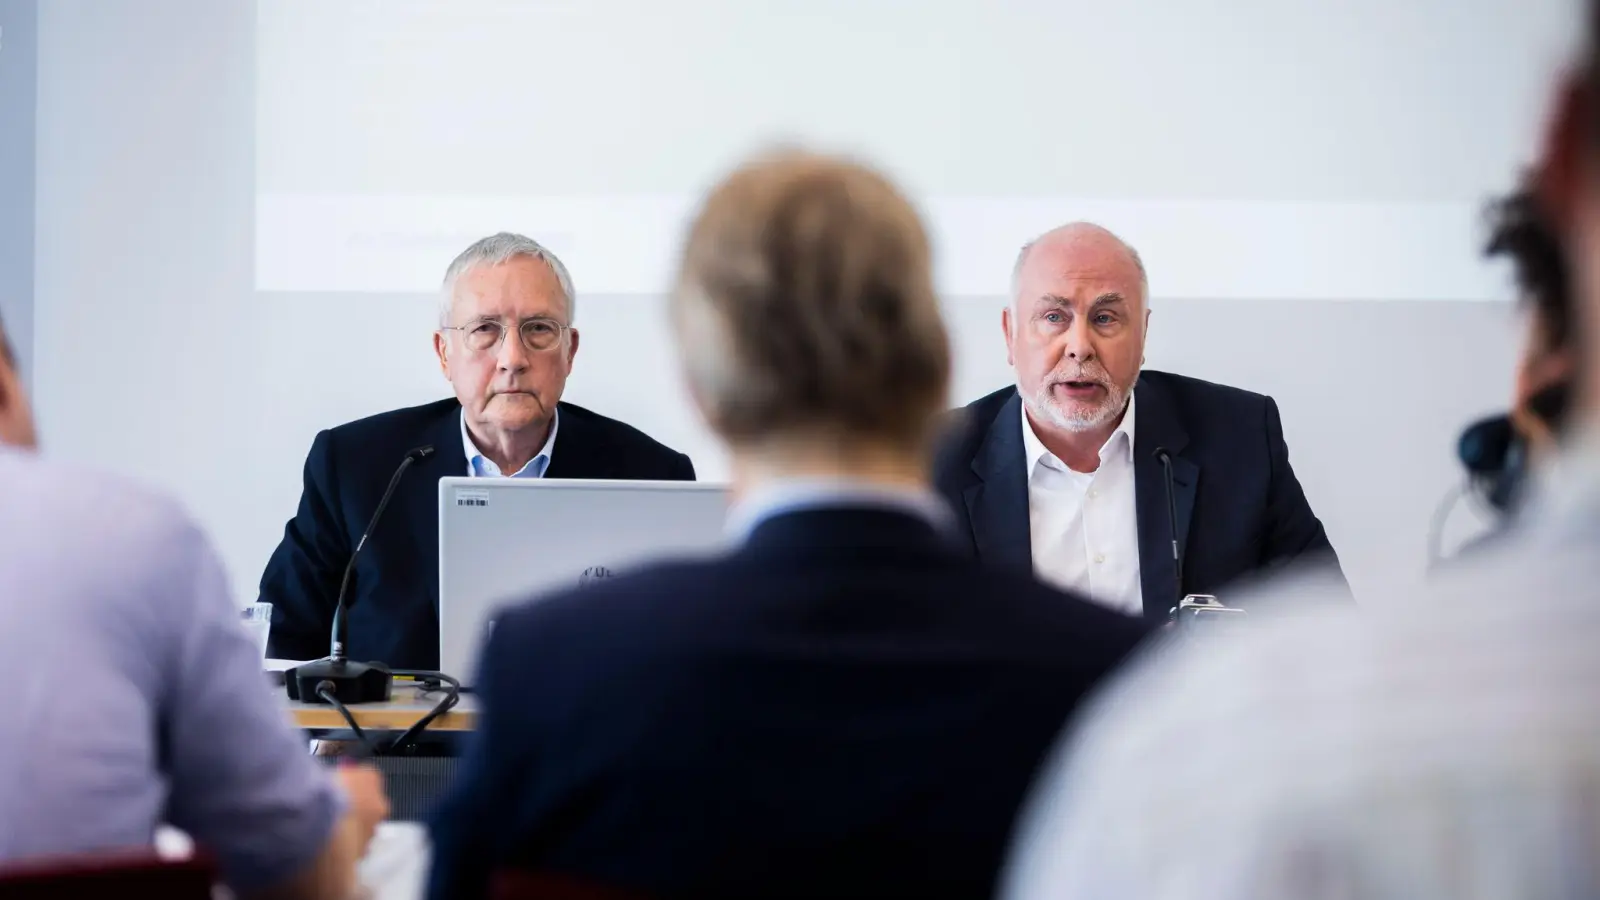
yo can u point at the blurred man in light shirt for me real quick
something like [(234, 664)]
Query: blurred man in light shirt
[(136, 696)]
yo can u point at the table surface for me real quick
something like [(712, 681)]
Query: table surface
[(406, 705)]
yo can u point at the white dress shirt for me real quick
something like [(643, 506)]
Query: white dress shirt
[(1438, 742), (1084, 527), (480, 466)]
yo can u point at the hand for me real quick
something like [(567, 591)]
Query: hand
[(369, 805)]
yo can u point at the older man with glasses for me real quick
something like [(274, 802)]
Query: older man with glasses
[(506, 343)]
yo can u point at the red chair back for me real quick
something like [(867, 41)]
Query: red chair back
[(138, 873)]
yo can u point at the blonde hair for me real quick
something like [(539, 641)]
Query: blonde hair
[(805, 308)]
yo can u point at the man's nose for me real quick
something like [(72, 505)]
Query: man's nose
[(1078, 343), (513, 357)]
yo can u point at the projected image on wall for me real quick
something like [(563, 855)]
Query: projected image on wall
[(392, 132)]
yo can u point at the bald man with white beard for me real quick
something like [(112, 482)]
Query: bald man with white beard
[(1064, 473)]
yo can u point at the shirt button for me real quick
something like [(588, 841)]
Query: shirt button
[(1099, 557), (1093, 494)]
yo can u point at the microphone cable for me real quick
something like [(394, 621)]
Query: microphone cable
[(431, 681), (325, 690), (1441, 518)]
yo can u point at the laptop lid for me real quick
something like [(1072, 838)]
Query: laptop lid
[(506, 540)]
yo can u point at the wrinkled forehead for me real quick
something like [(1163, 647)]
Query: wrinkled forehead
[(1080, 271), (518, 288)]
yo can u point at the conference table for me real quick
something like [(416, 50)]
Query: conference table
[(396, 864), (415, 781), (406, 705)]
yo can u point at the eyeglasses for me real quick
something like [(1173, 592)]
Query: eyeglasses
[(538, 334)]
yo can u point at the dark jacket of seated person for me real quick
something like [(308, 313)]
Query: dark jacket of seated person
[(845, 705), (394, 593), (1241, 512)]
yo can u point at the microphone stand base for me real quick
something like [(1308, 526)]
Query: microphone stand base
[(353, 682)]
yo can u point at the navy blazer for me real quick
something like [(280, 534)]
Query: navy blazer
[(1241, 511), (393, 605), (847, 705)]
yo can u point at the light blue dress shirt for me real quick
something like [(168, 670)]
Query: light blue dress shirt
[(480, 466), (135, 696)]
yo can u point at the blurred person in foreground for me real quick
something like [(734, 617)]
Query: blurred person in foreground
[(136, 696), (1523, 234), (506, 343), (843, 705), (1439, 745), (1504, 453), (1062, 473)]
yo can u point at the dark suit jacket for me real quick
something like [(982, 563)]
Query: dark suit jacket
[(847, 705), (392, 610), (1240, 508)]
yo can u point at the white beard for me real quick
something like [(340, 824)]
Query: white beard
[(1043, 405)]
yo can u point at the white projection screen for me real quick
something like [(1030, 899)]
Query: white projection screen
[(1256, 149)]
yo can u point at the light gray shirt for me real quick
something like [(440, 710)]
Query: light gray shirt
[(134, 694), (1441, 742)]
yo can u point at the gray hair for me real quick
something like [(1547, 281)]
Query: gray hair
[(494, 250), (1022, 258)]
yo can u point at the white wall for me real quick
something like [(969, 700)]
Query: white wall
[(1295, 134), (157, 356), (18, 26)]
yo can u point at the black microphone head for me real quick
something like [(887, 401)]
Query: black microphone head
[(1162, 454), (420, 453), (1484, 444)]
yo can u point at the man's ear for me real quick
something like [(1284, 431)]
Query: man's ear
[(572, 346), (1005, 328), (1560, 367), (441, 348), (16, 415)]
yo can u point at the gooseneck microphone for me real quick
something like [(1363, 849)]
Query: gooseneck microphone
[(1172, 517), (335, 679), (336, 650)]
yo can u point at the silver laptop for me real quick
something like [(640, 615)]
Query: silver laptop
[(504, 540)]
